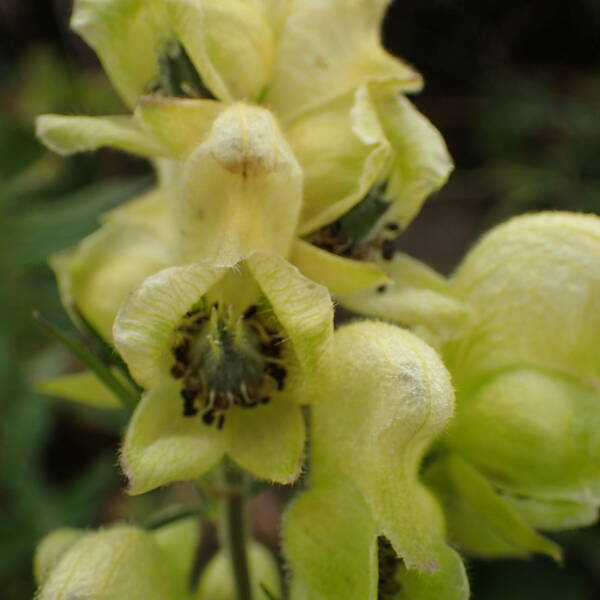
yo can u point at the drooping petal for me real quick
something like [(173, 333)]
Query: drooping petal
[(124, 38), (328, 48), (534, 283), (534, 434), (181, 124), (240, 191), (388, 396), (162, 446), (343, 153), (147, 319), (82, 387), (450, 582), (229, 42), (303, 308), (268, 441), (68, 135), (421, 162), (97, 275), (329, 540), (340, 275), (120, 562), (477, 517), (414, 295)]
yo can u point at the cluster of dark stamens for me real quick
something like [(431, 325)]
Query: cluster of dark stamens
[(225, 361), (354, 235), (388, 586)]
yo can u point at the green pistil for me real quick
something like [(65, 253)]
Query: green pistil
[(226, 360)]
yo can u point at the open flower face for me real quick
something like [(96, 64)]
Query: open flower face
[(225, 355)]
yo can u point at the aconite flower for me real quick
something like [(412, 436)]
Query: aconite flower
[(367, 527), (523, 451), (225, 355), (319, 67)]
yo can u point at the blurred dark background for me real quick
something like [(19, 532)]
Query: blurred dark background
[(515, 89)]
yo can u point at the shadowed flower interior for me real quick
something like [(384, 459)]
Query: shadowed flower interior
[(224, 359)]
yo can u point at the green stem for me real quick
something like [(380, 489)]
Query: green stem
[(233, 530)]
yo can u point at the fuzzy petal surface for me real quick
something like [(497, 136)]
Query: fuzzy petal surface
[(339, 274), (328, 48), (229, 42), (343, 153), (329, 539), (389, 390), (303, 308), (147, 319), (421, 162), (68, 135), (240, 191), (162, 446), (120, 562), (124, 38), (415, 296), (534, 283), (102, 270), (268, 441), (181, 124)]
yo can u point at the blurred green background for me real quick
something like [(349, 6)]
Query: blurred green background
[(515, 89)]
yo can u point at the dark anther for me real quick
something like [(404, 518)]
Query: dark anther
[(388, 250), (191, 313), (200, 320), (273, 348), (189, 410), (181, 351), (178, 370), (392, 226), (208, 417), (221, 421), (381, 289), (278, 373), (250, 312), (265, 400)]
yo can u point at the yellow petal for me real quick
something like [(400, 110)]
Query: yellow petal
[(340, 275), (162, 446), (229, 42), (147, 319), (268, 440), (303, 308), (240, 191), (180, 124), (121, 562), (388, 396), (328, 48), (67, 135), (414, 295), (343, 153), (421, 162), (534, 284), (125, 39), (105, 267)]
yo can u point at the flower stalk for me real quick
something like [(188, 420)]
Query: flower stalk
[(234, 527)]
